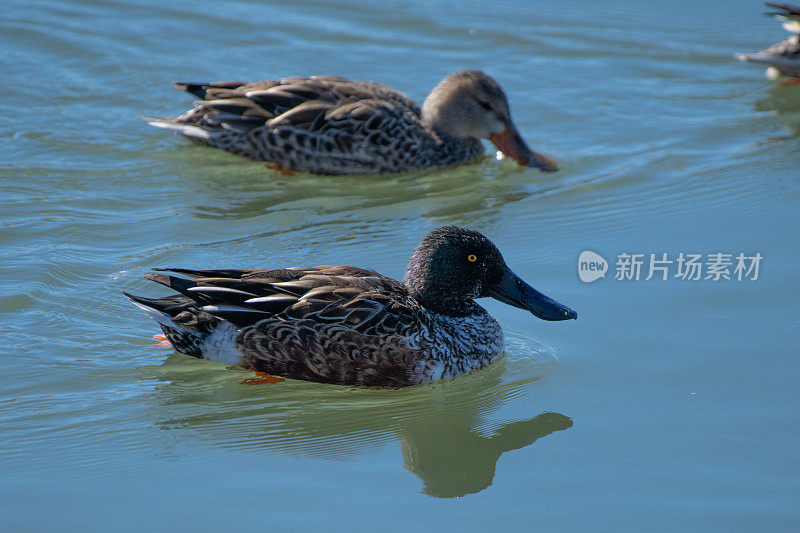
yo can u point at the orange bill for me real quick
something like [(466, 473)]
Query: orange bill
[(511, 144)]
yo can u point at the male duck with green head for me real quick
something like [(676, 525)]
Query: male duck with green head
[(347, 325)]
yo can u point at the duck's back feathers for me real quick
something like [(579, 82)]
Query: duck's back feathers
[(329, 324), (319, 124), (346, 294)]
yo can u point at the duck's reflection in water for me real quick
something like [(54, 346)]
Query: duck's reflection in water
[(446, 430), (462, 462), (784, 100), (482, 187)]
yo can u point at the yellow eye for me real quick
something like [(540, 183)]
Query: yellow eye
[(472, 258)]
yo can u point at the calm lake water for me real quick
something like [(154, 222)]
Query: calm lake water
[(669, 405)]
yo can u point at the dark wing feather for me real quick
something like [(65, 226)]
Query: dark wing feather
[(222, 273), (200, 89), (787, 10), (265, 99), (349, 296)]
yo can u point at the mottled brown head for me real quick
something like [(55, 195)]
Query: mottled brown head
[(470, 104)]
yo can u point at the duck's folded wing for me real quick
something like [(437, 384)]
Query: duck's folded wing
[(242, 107), (347, 296), (315, 104), (296, 101)]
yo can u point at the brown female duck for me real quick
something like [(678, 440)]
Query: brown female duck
[(330, 125)]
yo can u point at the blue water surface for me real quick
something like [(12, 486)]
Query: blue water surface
[(667, 406)]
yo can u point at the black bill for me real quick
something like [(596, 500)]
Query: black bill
[(512, 290)]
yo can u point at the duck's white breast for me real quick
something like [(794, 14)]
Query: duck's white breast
[(454, 345)]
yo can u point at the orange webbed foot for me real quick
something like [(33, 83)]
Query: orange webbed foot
[(280, 169), (262, 379), (163, 338)]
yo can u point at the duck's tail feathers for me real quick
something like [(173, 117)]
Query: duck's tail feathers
[(162, 310), (199, 89), (785, 10), (190, 130), (191, 330), (173, 282), (756, 57), (785, 65), (212, 273)]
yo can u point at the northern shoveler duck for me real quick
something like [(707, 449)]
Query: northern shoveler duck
[(347, 325), (783, 58), (330, 125)]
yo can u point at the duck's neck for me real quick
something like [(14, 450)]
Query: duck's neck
[(453, 307), (439, 295), (432, 118), (442, 114), (453, 142)]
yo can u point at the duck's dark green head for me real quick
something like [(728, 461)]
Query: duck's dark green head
[(452, 266)]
